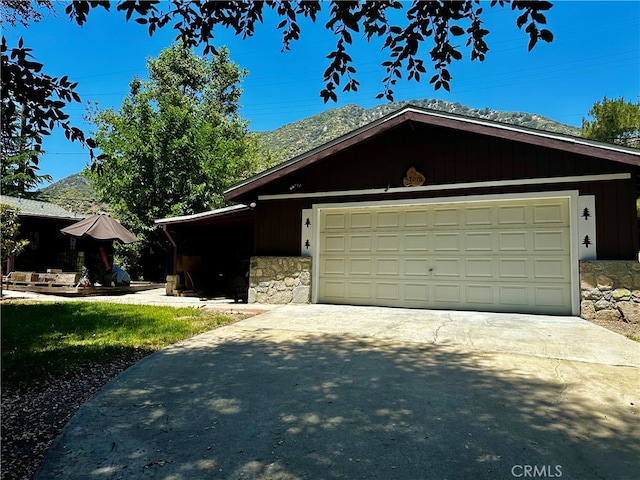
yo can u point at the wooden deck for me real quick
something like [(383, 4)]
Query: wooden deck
[(65, 284)]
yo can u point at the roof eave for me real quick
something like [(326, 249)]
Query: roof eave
[(221, 212)]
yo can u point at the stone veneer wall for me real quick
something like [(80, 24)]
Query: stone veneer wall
[(280, 280), (610, 290)]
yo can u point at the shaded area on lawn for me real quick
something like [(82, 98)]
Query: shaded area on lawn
[(39, 340), (290, 406)]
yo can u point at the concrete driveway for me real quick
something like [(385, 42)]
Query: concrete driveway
[(327, 392)]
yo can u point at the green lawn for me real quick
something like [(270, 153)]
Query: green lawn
[(43, 339)]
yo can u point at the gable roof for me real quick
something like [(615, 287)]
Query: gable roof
[(407, 114), (36, 208)]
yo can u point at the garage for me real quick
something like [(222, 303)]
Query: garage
[(424, 209), (509, 256)]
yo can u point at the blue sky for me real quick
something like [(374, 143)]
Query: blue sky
[(595, 53)]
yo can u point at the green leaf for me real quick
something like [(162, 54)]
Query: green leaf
[(546, 35)]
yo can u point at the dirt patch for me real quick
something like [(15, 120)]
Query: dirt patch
[(629, 330), (32, 417)]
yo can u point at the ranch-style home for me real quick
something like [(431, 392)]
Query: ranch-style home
[(425, 209)]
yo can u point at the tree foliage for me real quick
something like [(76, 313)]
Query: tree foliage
[(36, 101), (176, 143), (11, 245), (449, 24), (614, 121), (32, 106)]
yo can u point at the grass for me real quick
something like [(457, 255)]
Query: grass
[(39, 340)]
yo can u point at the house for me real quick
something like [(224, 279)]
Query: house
[(40, 223), (427, 209)]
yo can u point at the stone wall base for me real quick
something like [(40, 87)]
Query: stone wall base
[(280, 280), (610, 290)]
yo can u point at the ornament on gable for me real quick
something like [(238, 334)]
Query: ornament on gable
[(414, 178)]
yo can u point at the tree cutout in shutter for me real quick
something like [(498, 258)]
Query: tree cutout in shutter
[(586, 241), (586, 213)]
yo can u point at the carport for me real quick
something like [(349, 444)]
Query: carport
[(211, 250)]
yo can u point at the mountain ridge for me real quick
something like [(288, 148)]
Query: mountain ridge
[(297, 137)]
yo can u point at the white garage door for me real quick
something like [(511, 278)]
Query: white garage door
[(493, 256)]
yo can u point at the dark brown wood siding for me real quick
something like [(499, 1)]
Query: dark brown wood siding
[(447, 156)]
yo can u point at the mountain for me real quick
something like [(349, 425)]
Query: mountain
[(74, 193), (298, 137)]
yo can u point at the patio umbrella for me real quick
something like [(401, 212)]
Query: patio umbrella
[(100, 227)]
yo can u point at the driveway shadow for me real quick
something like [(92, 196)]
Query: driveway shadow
[(288, 405)]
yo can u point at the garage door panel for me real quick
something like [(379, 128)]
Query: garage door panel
[(388, 291), (552, 295), (389, 242), (335, 221), (550, 213), (446, 292), (416, 242), (551, 268), (446, 242), (360, 290), (514, 295), (513, 241), (333, 289), (510, 215), (334, 243), (416, 266), (480, 241), (360, 244), (479, 216), (550, 241), (476, 268), (417, 292), (446, 267), (360, 266), (480, 293), (388, 219), (360, 220), (334, 266), (446, 217), (495, 256), (513, 268), (387, 266), (416, 218)]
